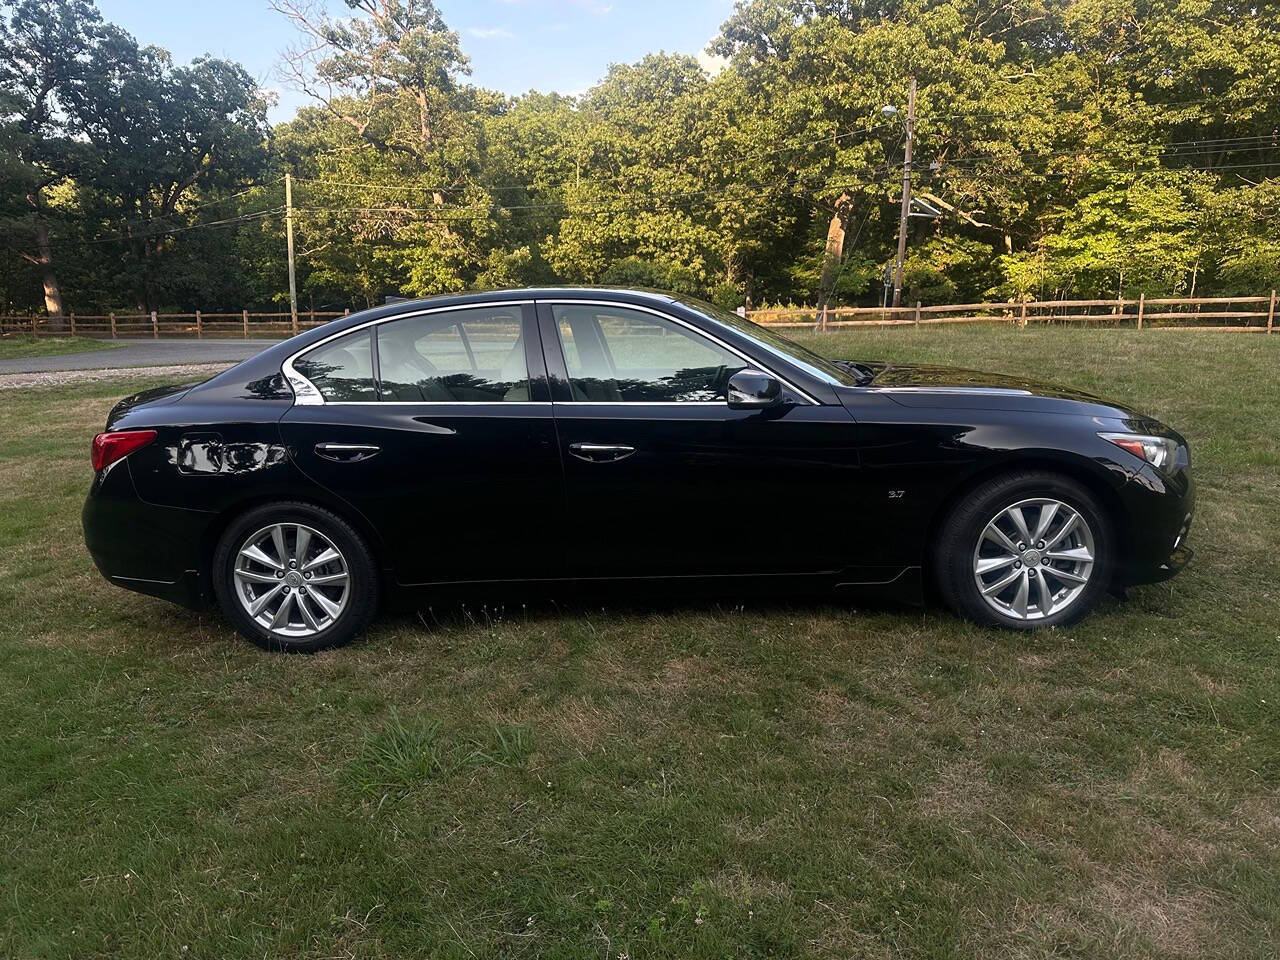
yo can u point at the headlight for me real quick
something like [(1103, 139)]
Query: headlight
[(1157, 451)]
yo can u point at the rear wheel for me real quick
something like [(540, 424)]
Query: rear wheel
[(1025, 550), (295, 577)]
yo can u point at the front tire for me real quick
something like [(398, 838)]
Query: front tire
[(1026, 550), (295, 577)]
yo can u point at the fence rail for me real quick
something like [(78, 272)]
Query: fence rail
[(1250, 314), (1235, 314), (115, 326)]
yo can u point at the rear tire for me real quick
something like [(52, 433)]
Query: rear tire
[(1025, 550), (296, 578)]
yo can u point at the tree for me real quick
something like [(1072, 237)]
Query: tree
[(158, 133), (43, 48)]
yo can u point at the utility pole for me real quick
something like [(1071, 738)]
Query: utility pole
[(288, 230), (906, 194)]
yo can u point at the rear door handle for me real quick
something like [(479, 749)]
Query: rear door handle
[(346, 452), (601, 452)]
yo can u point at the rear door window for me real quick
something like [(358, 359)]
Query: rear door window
[(458, 356)]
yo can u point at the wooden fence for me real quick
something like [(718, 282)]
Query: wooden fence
[(1237, 314), (246, 323)]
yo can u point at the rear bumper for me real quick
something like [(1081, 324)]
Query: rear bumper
[(143, 547)]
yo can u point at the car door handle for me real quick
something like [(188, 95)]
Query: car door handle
[(346, 452), (601, 452)]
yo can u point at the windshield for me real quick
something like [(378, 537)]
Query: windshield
[(817, 366)]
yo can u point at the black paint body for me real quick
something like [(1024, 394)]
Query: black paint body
[(843, 492)]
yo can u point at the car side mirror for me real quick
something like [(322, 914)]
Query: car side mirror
[(751, 389)]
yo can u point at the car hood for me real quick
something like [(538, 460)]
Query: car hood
[(924, 385)]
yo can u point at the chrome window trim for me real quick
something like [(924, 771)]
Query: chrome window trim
[(960, 391), (305, 393), (437, 403), (647, 403), (750, 361)]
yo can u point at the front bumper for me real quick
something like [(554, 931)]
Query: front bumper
[(1159, 511)]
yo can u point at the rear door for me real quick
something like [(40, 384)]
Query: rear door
[(663, 479), (437, 426)]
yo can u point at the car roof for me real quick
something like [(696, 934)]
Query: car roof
[(633, 294)]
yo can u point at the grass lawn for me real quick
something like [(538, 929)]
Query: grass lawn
[(16, 345), (601, 780)]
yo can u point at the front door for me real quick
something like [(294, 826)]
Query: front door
[(663, 479), (438, 428)]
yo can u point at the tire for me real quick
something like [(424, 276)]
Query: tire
[(335, 602), (969, 553)]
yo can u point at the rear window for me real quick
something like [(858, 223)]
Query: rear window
[(341, 369)]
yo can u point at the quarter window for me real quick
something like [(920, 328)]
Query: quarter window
[(341, 370), (460, 356), (616, 354)]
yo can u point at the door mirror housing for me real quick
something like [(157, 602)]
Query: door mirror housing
[(752, 389)]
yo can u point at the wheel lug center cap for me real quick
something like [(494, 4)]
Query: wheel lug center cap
[(1030, 558), (293, 578)]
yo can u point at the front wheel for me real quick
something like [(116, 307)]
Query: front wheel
[(295, 577), (1026, 550)]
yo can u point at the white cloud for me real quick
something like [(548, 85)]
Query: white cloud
[(593, 6), (490, 33), (710, 62)]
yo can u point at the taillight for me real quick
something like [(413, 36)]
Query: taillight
[(110, 447)]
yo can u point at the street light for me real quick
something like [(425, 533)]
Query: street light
[(888, 111)]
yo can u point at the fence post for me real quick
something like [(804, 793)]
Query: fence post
[(1271, 312), (917, 313), (312, 317), (347, 311), (113, 326), (33, 324), (244, 320), (155, 327), (1142, 304), (73, 323), (199, 327), (1022, 315)]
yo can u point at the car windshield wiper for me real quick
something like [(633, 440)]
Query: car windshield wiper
[(864, 373)]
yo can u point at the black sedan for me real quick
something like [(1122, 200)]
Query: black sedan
[(588, 436)]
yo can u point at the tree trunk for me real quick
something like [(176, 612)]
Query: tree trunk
[(44, 258), (833, 258)]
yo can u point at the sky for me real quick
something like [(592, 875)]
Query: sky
[(514, 45)]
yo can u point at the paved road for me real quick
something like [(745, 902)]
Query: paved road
[(164, 352)]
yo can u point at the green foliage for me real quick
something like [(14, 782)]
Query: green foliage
[(638, 272), (1075, 149), (944, 268)]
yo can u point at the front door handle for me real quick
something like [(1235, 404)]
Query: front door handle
[(601, 452), (346, 452)]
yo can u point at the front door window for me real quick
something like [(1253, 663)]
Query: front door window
[(616, 355)]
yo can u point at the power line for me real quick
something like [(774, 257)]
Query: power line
[(199, 206), (1180, 148), (229, 221)]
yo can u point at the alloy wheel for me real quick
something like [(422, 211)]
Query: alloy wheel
[(291, 579), (1034, 559)]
